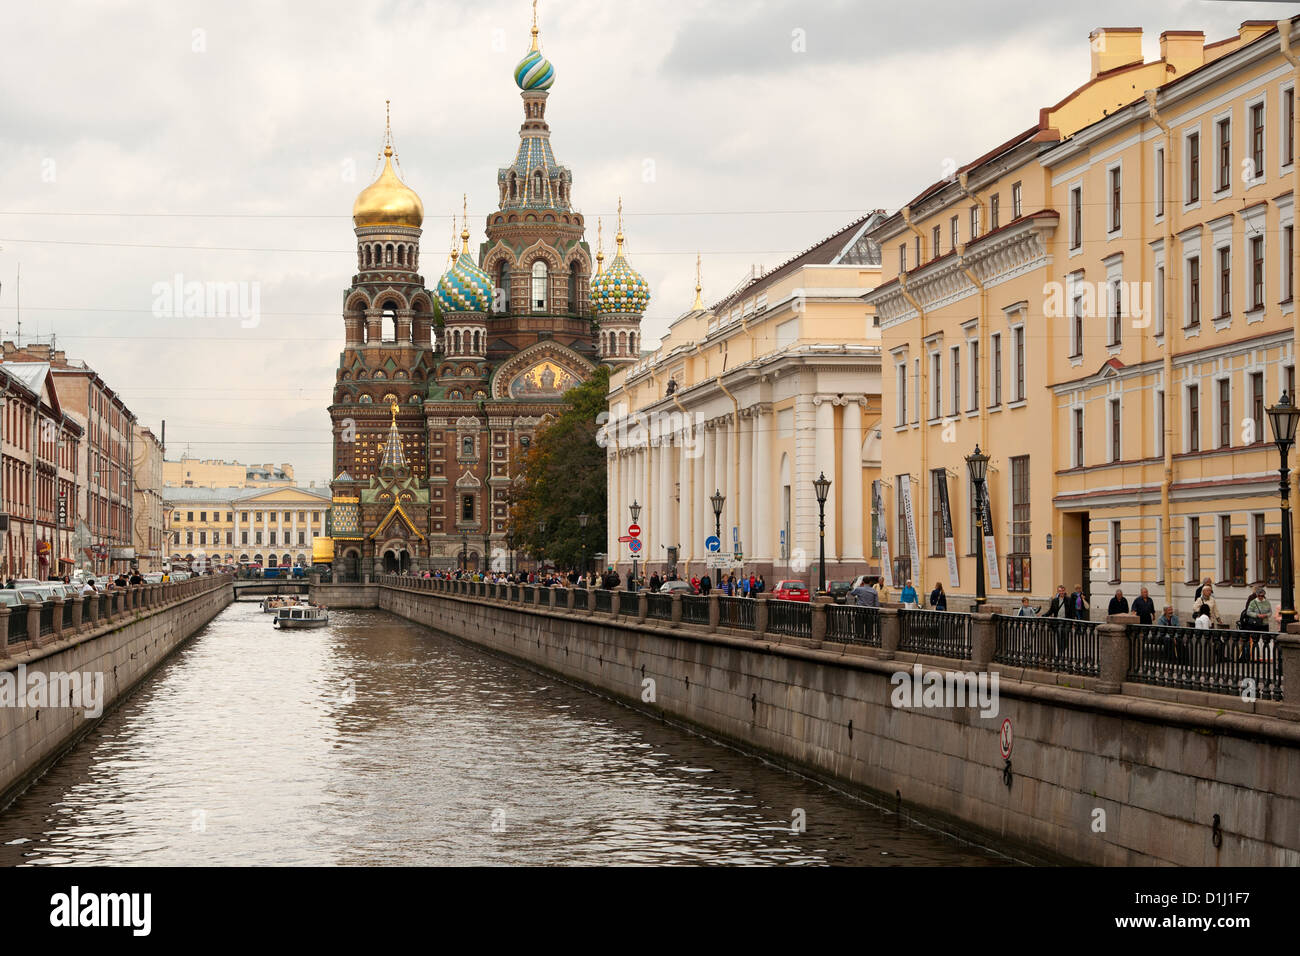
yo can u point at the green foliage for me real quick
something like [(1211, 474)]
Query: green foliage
[(564, 476)]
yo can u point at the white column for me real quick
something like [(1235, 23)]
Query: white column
[(851, 483), (744, 493), (764, 500), (658, 545), (825, 462), (704, 485), (685, 504), (720, 463)]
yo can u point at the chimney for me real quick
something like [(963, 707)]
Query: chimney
[(1251, 30), (1113, 47), (1182, 51)]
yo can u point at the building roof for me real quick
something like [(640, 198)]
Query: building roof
[(175, 495)]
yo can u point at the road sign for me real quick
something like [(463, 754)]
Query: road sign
[(712, 543), (735, 534), (634, 530), (721, 562), (625, 539), (1004, 739), (634, 546)]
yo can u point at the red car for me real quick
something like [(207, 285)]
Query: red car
[(791, 591)]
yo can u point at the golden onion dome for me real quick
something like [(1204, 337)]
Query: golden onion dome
[(388, 201)]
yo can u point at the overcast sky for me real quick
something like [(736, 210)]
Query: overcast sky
[(225, 142)]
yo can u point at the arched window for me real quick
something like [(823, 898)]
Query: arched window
[(573, 289), (455, 342), (388, 254), (503, 283), (539, 185), (388, 331), (467, 447), (514, 186), (539, 286), (366, 249)]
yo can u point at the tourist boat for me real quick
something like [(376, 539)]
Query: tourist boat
[(301, 615), (275, 602)]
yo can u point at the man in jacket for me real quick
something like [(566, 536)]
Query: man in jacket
[(1080, 603), (706, 584), (1144, 608), (864, 595), (1061, 605)]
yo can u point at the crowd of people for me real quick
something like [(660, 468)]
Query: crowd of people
[(1258, 614), (731, 584)]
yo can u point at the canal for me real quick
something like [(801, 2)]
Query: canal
[(376, 741)]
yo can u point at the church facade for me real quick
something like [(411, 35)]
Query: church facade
[(440, 391)]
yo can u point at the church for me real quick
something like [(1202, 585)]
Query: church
[(440, 391)]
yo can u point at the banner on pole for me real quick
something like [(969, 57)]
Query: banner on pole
[(990, 545), (949, 546), (882, 537), (910, 516)]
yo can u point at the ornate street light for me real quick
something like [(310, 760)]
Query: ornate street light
[(822, 485), (718, 499), (1284, 417), (582, 540), (978, 465), (634, 509)]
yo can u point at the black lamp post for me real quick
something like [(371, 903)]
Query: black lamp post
[(464, 551), (718, 499), (822, 485), (634, 510), (1284, 417), (485, 565), (510, 546), (978, 463), (582, 538), (541, 549)]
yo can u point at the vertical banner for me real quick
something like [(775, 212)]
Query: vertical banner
[(911, 526), (990, 546), (949, 546), (882, 537)]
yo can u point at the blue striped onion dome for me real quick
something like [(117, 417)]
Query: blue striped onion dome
[(464, 287), (534, 72), (620, 288)]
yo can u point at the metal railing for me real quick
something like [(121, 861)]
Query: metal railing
[(580, 599), (941, 633), (850, 624), (695, 609), (789, 617), (18, 624), (604, 599), (659, 606), (626, 602), (738, 612), (1047, 643), (1215, 661), (528, 594)]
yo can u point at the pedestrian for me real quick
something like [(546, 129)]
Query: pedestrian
[(1258, 612), (1081, 606), (1204, 584), (938, 600), (908, 595), (1168, 618), (1211, 606), (1118, 604), (762, 585), (744, 586), (1061, 605), (654, 581), (1025, 609), (695, 584), (706, 584), (864, 595), (1144, 607)]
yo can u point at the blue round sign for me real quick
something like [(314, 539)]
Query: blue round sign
[(713, 543), (634, 545)]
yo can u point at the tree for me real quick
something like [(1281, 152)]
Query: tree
[(564, 476)]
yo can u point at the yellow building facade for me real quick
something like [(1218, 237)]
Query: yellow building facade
[(753, 399), (272, 527), (1109, 313)]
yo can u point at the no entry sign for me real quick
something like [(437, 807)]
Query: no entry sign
[(634, 531)]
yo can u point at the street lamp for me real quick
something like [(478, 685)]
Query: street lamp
[(634, 510), (582, 538), (464, 551), (978, 464), (541, 549), (718, 499), (1284, 417), (822, 485), (510, 546)]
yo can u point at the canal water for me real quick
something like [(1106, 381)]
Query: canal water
[(376, 741)]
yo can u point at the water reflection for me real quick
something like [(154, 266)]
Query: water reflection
[(375, 741)]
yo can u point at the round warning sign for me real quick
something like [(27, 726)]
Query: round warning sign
[(1005, 738)]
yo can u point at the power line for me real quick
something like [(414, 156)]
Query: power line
[(434, 216)]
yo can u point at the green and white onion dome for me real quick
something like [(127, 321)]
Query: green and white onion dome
[(464, 287), (620, 288)]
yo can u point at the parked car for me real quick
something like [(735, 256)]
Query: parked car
[(791, 591), (839, 590), (668, 587)]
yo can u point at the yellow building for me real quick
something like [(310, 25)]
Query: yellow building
[(273, 527), (214, 473), (1119, 281), (754, 398)]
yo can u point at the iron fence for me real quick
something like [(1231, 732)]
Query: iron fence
[(850, 624), (789, 617), (580, 599), (18, 624), (695, 609), (736, 612), (1215, 661), (942, 633), (659, 606), (604, 600), (1047, 643)]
